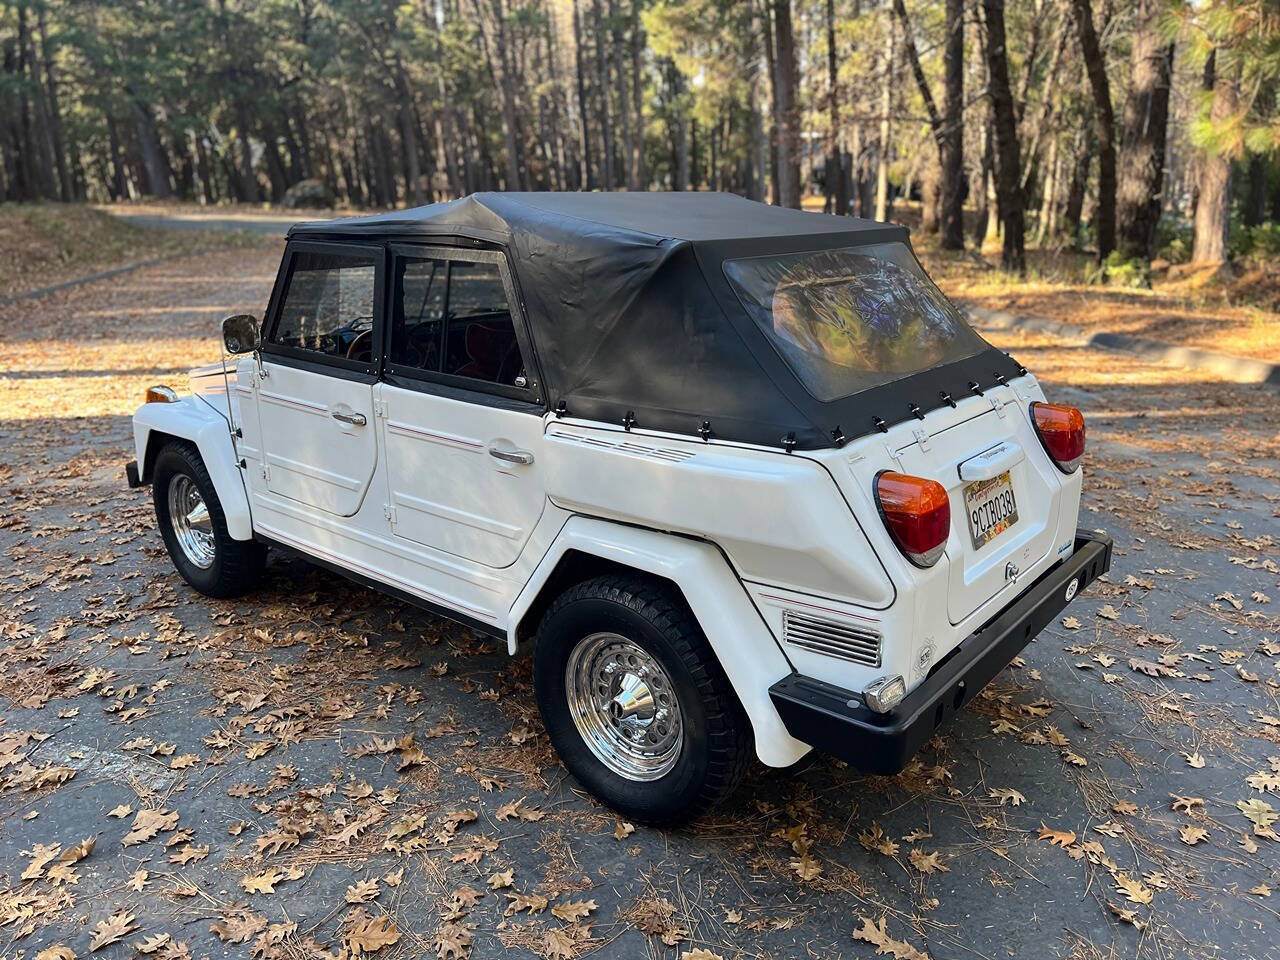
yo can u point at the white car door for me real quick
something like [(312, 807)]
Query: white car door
[(315, 404), (460, 407)]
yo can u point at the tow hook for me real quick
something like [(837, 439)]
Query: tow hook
[(1011, 572)]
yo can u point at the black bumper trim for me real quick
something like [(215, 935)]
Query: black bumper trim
[(835, 720), (131, 474)]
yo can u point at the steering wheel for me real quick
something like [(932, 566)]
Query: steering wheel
[(361, 348)]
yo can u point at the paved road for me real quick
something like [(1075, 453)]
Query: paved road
[(316, 765)]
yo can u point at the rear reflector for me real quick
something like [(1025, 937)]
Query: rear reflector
[(917, 513), (1061, 430)]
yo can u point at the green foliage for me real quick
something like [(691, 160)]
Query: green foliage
[(1174, 239), (1117, 271), (1262, 241)]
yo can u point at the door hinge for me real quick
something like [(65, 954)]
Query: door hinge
[(997, 406), (380, 409), (266, 474), (922, 438), (389, 512)]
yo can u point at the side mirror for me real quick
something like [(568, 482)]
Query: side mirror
[(240, 333)]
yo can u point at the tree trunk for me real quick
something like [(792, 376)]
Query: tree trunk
[(55, 111), (1213, 209), (500, 77), (886, 128), (933, 175), (835, 172), (607, 153), (409, 137), (584, 127), (637, 97), (788, 113), (153, 161), (1104, 121), (765, 19), (1142, 144), (1008, 165), (953, 179), (1079, 181)]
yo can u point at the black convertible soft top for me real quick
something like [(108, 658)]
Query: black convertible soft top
[(633, 318)]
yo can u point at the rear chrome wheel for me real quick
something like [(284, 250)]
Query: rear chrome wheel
[(192, 525), (635, 701), (624, 706)]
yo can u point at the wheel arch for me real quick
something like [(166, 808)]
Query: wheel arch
[(702, 577), (194, 421)]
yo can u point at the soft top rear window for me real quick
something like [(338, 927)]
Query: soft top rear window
[(852, 318)]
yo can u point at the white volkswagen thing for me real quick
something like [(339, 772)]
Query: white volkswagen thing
[(740, 478)]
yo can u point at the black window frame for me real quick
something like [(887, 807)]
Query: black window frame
[(313, 359), (530, 397)]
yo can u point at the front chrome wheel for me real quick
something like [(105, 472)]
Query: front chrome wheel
[(192, 525), (624, 706)]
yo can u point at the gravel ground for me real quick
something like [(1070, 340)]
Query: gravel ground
[(317, 770)]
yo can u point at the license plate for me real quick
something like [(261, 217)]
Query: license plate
[(991, 508)]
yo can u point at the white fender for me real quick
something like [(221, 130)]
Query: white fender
[(192, 418), (743, 644)]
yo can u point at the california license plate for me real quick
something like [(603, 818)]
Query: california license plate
[(991, 508)]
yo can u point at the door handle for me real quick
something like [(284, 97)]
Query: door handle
[(511, 456), (355, 419)]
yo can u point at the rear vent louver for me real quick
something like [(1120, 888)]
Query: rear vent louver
[(832, 638), (669, 454)]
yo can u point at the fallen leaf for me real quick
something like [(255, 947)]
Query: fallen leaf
[(453, 940), (573, 911), (500, 881), (1061, 838), (363, 892), (1133, 890), (806, 867), (1191, 835), (927, 862), (875, 933), (116, 927), (262, 882), (1007, 795), (370, 934)]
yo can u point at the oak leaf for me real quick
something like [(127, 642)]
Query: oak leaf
[(1060, 838), (116, 927), (370, 934), (1191, 835), (363, 892), (453, 941), (147, 824), (573, 911), (1007, 795), (927, 862), (806, 867), (262, 882), (1133, 890), (876, 934)]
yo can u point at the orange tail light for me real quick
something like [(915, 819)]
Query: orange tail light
[(917, 513), (1061, 431)]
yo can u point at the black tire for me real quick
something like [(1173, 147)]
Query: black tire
[(717, 744), (237, 564)]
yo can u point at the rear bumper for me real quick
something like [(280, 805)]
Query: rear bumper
[(835, 721)]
